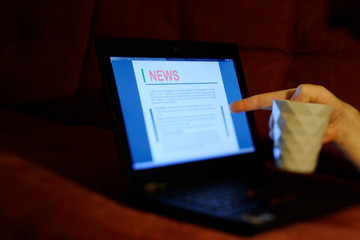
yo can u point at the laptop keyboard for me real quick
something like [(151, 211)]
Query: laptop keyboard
[(258, 202), (228, 196), (224, 196)]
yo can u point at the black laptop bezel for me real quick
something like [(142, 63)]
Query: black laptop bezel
[(136, 181)]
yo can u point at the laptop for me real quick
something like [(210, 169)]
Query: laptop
[(184, 154)]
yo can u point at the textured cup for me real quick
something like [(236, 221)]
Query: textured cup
[(298, 131)]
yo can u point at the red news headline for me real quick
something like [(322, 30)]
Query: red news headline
[(161, 75)]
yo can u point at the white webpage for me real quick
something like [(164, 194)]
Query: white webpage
[(185, 110)]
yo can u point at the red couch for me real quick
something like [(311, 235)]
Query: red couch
[(59, 168)]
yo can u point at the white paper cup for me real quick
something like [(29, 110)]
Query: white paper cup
[(297, 133)]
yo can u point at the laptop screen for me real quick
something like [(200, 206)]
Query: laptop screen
[(177, 110)]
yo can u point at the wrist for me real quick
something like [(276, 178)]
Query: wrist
[(348, 133)]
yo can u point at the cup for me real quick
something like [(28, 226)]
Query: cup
[(298, 129)]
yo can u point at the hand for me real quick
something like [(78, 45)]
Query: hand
[(344, 124)]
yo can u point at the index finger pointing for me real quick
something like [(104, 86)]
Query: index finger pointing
[(261, 101)]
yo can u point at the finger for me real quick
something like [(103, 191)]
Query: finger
[(261, 101)]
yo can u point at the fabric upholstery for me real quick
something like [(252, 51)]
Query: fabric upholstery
[(39, 204), (43, 47), (60, 176)]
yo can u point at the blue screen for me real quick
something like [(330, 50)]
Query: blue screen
[(177, 110)]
